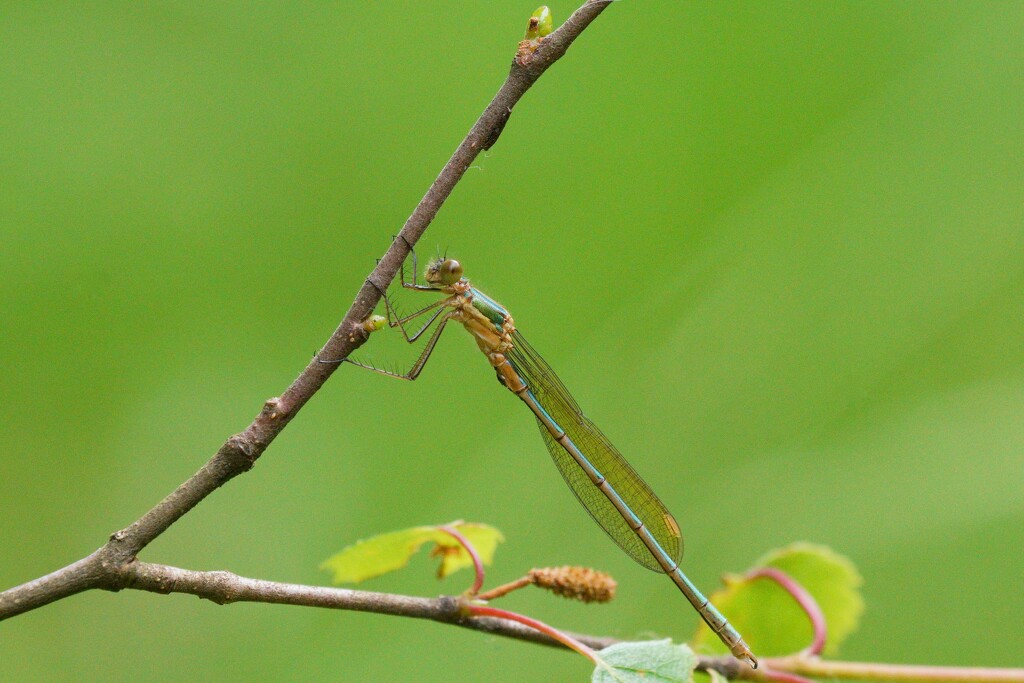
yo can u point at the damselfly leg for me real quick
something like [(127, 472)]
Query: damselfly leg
[(439, 313)]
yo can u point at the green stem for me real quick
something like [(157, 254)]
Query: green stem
[(871, 671)]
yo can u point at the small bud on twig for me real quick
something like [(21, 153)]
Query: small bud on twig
[(539, 26), (374, 323)]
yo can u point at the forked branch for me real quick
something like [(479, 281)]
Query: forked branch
[(105, 567)]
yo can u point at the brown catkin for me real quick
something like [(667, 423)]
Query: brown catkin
[(575, 583)]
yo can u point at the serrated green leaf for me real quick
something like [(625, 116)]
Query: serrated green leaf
[(391, 551), (653, 661), (770, 620)]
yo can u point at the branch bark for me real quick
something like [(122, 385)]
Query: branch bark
[(105, 568), (224, 588)]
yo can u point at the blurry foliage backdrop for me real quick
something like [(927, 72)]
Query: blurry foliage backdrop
[(775, 249)]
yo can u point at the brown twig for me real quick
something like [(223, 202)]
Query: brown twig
[(225, 588), (104, 568), (506, 588)]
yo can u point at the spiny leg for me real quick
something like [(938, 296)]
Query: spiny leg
[(412, 339), (417, 367), (394, 320), (415, 269), (401, 267), (414, 285)]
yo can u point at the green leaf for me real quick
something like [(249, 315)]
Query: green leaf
[(391, 551), (771, 621), (650, 661)]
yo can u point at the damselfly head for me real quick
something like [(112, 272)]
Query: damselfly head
[(443, 272)]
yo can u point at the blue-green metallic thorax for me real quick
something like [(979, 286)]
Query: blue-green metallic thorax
[(494, 311)]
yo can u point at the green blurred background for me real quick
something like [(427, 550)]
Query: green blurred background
[(775, 249)]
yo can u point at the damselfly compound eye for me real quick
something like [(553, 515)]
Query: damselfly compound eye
[(451, 271)]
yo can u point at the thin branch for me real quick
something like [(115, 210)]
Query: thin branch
[(873, 671), (225, 587), (506, 588), (240, 452)]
